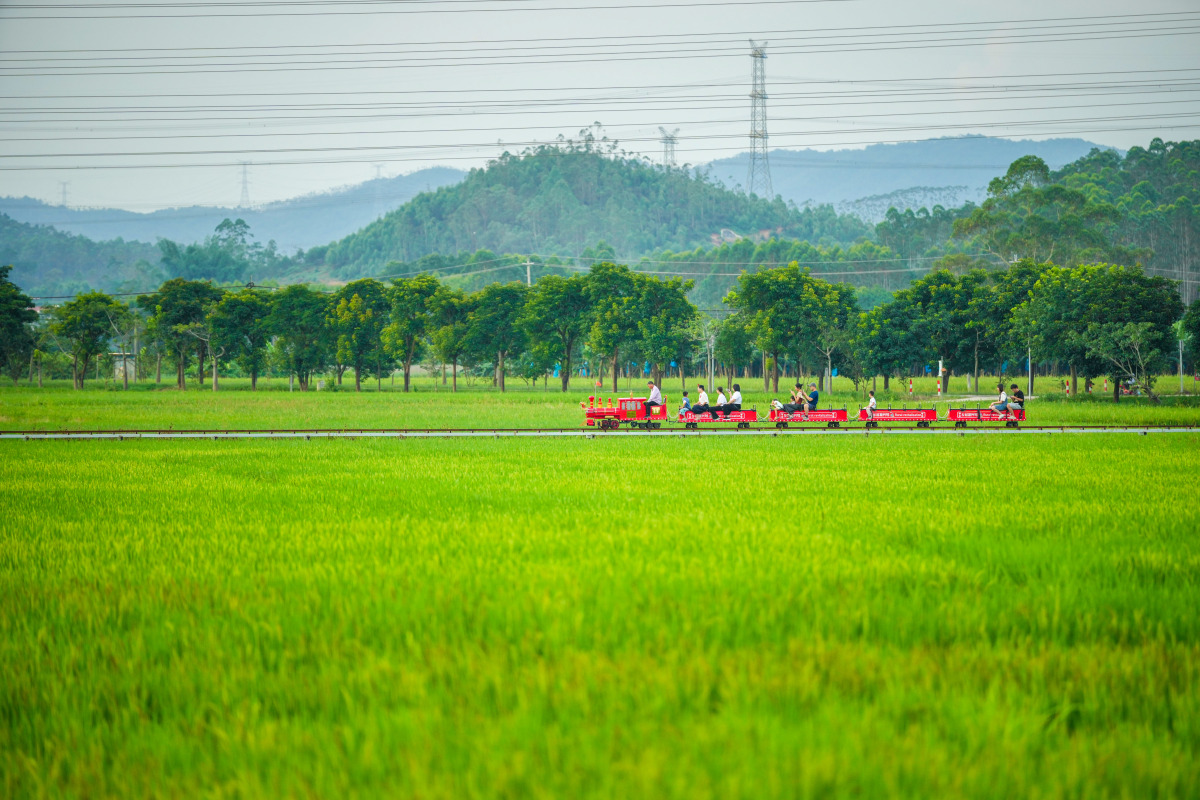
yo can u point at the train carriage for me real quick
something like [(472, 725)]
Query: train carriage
[(743, 418), (961, 417), (921, 416), (832, 417)]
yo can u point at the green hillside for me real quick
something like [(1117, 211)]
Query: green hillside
[(47, 261), (561, 198)]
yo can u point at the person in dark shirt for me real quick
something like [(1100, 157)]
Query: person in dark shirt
[(1016, 400), (810, 400)]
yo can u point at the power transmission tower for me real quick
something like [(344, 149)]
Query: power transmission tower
[(758, 179), (64, 185), (245, 201), (668, 141)]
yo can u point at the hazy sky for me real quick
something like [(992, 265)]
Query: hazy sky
[(171, 96)]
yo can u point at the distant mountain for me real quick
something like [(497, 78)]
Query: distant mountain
[(300, 223), (559, 199), (963, 164)]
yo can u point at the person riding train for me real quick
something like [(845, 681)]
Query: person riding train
[(656, 399), (735, 403)]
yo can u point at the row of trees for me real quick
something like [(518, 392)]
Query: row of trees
[(1094, 319)]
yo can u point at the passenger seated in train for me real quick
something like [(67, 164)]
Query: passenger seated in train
[(721, 401), (685, 406), (734, 404), (701, 406), (1016, 400), (655, 399), (795, 404), (810, 400), (1001, 405)]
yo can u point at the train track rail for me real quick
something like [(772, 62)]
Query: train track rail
[(588, 433)]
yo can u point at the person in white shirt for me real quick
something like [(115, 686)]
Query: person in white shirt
[(701, 401), (734, 404), (655, 399), (871, 406), (1001, 405), (716, 409)]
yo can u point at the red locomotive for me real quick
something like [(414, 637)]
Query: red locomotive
[(630, 410)]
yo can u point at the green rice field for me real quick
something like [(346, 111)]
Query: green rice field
[(868, 617)]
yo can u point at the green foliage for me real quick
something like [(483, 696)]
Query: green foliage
[(176, 309), (409, 323), (85, 325), (238, 322), (556, 316), (298, 320), (17, 316), (495, 324), (358, 314)]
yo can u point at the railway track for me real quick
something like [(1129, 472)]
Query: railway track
[(504, 433)]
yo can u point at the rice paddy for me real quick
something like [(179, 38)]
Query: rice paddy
[(848, 617)]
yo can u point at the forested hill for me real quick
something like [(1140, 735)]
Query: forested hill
[(46, 261), (561, 198)]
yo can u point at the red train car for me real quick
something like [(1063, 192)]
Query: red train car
[(961, 416), (631, 410), (921, 416), (743, 418), (833, 417)]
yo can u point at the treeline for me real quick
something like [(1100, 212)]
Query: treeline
[(1094, 319)]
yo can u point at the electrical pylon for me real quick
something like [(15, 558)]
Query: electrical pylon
[(668, 142), (245, 201), (758, 178)]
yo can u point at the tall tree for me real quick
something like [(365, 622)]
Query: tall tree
[(410, 318), (238, 323), (887, 338), (17, 316), (85, 325), (495, 322), (612, 292), (358, 314), (557, 316), (297, 319), (664, 315), (175, 308), (450, 311), (829, 312)]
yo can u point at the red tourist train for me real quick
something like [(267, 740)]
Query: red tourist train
[(632, 411)]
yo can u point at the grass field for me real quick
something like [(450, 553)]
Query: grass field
[(59, 407), (666, 618)]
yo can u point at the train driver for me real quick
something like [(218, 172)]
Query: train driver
[(655, 399), (871, 406)]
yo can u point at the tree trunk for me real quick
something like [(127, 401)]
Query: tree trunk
[(33, 354), (1116, 390), (74, 372), (379, 372), (500, 367), (254, 379), (444, 374), (39, 373), (454, 375), (976, 366), (124, 370), (566, 373), (887, 379), (829, 370), (158, 368), (215, 361), (407, 373), (357, 379), (200, 367), (766, 375), (337, 373), (775, 373), (1074, 382), (616, 371)]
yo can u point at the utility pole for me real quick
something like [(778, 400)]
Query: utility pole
[(758, 178), (668, 142), (245, 201), (528, 274)]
